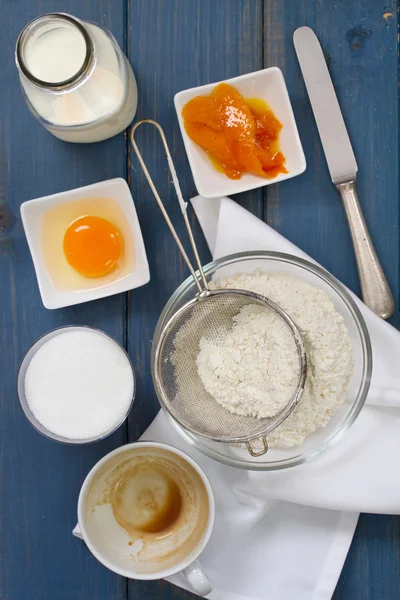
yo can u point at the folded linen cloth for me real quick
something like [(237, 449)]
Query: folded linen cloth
[(358, 473)]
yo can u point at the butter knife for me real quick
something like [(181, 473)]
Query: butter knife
[(342, 167)]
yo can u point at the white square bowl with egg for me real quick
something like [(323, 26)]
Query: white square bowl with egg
[(268, 85), (45, 221)]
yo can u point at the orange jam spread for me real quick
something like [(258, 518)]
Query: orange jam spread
[(239, 135)]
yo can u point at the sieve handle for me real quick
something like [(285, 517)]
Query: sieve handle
[(200, 282), (260, 452)]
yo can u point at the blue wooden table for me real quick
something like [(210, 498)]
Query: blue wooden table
[(175, 44)]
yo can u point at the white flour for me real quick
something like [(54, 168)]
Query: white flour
[(253, 369), (328, 348)]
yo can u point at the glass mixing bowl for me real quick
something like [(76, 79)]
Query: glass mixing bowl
[(324, 438)]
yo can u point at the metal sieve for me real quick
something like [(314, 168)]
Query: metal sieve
[(209, 314)]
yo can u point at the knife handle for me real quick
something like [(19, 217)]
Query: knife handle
[(374, 286)]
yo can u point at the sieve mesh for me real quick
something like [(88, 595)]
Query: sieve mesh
[(178, 383)]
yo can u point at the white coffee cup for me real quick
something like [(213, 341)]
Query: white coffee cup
[(108, 541)]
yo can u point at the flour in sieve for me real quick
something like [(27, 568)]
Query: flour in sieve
[(328, 347), (253, 369)]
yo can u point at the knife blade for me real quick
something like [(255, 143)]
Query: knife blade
[(328, 116)]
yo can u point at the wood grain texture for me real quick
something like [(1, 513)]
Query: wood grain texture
[(372, 568), (39, 479), (172, 45)]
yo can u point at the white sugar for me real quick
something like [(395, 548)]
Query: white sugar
[(79, 384)]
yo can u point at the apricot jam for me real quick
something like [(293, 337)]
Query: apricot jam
[(239, 135)]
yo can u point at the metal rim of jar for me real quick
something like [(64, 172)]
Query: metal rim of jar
[(57, 85)]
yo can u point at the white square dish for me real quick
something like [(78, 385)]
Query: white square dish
[(269, 85), (55, 296)]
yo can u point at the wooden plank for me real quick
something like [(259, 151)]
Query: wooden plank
[(173, 46), (371, 571), (360, 43), (40, 479)]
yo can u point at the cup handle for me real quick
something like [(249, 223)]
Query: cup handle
[(197, 578)]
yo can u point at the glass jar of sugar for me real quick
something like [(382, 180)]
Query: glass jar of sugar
[(75, 78)]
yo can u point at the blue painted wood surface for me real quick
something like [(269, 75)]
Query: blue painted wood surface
[(174, 44)]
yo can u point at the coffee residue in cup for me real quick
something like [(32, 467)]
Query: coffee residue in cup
[(146, 500), (157, 499)]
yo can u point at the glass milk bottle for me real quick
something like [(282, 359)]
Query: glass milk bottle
[(75, 78)]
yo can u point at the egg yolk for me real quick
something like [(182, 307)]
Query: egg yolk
[(93, 246)]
